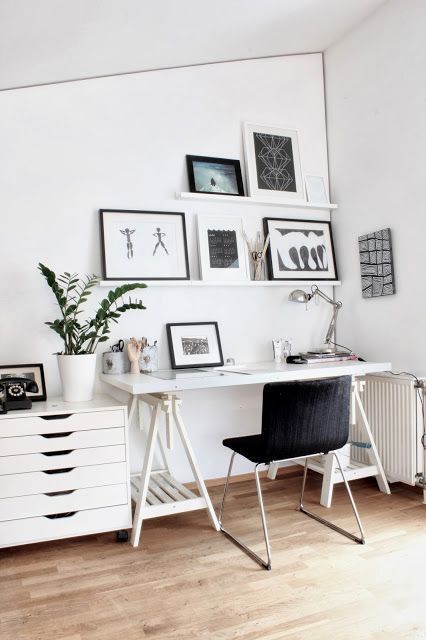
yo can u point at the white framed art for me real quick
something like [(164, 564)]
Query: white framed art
[(273, 162), (315, 189), (143, 245), (300, 250), (222, 249)]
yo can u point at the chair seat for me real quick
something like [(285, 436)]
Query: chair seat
[(255, 449), (251, 447)]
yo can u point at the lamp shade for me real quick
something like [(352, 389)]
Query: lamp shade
[(298, 295)]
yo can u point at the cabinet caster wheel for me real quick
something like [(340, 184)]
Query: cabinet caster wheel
[(122, 535)]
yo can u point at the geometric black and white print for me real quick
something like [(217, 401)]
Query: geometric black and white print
[(375, 254), (274, 162)]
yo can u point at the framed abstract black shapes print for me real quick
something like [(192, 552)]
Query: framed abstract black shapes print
[(300, 250)]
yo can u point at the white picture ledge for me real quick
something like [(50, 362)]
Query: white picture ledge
[(243, 283), (216, 197)]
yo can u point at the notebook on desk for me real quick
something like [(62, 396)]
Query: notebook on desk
[(251, 368)]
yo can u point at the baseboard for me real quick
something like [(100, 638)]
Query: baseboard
[(290, 471)]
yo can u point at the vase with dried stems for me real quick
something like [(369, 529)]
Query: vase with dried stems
[(257, 251)]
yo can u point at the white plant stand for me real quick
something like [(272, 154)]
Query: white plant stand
[(155, 491), (327, 465)]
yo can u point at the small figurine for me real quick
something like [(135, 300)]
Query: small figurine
[(133, 351)]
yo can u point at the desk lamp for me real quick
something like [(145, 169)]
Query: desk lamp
[(298, 295)]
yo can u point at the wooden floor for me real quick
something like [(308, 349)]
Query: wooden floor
[(186, 581)]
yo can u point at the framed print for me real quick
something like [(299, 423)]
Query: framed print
[(315, 189), (33, 372), (273, 162), (143, 245), (222, 250), (214, 175), (194, 344), (300, 250)]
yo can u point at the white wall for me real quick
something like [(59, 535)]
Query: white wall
[(376, 105), (70, 149)]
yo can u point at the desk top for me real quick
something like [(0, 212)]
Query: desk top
[(256, 373)]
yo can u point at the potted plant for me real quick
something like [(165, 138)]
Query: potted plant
[(77, 361)]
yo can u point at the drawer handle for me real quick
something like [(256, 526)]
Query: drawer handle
[(56, 435), (59, 416), (59, 493), (65, 452), (65, 470), (55, 516)]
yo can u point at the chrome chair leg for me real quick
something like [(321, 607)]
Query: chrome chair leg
[(225, 491), (327, 523), (263, 516), (241, 545)]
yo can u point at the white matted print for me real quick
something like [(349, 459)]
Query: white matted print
[(300, 250), (222, 250), (315, 189), (144, 245), (194, 344), (273, 162)]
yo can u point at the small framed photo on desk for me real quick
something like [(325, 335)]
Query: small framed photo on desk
[(194, 344)]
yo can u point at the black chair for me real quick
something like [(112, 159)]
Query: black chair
[(299, 420)]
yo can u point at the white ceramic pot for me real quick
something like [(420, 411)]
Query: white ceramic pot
[(77, 376)]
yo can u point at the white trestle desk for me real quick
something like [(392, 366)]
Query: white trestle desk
[(157, 493)]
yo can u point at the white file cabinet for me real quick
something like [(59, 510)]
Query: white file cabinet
[(64, 471)]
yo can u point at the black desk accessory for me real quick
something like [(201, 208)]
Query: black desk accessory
[(14, 390)]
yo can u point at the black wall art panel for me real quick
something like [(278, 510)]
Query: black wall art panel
[(377, 273)]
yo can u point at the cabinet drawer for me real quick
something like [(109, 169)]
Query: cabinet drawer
[(60, 441), (56, 423), (61, 460), (60, 502), (27, 530), (22, 484)]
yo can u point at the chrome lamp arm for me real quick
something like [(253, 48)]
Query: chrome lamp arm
[(336, 306), (298, 295)]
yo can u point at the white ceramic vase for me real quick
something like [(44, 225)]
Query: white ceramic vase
[(77, 376)]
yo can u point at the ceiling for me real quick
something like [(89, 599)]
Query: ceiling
[(44, 41)]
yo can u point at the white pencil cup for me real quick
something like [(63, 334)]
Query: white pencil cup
[(148, 360)]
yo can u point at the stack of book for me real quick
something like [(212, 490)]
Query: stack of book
[(311, 357)]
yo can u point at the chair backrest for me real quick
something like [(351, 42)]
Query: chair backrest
[(305, 417)]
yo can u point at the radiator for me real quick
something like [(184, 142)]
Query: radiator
[(391, 405)]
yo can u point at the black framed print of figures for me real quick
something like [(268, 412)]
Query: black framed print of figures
[(194, 345), (143, 245), (300, 250), (273, 163), (214, 175)]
